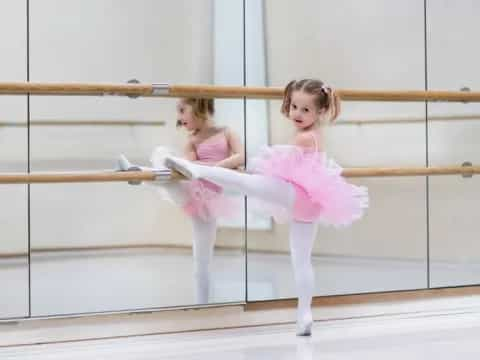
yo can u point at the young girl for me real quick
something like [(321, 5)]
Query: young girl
[(297, 179), (202, 200)]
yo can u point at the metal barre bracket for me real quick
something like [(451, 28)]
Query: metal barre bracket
[(160, 89), (133, 81), (133, 168), (467, 164), (161, 175)]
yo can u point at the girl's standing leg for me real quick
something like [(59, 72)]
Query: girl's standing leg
[(302, 237)]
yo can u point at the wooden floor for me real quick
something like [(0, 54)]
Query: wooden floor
[(452, 335)]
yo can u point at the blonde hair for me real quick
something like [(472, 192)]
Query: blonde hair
[(201, 108), (325, 97)]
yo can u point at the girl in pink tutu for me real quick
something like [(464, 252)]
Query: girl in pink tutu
[(209, 145), (297, 182), (203, 201)]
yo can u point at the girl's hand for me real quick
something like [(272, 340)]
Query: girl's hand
[(237, 157)]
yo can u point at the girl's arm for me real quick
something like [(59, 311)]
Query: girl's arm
[(237, 157), (306, 140), (189, 152)]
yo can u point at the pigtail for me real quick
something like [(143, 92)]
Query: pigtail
[(210, 106), (287, 98), (200, 107), (334, 106)]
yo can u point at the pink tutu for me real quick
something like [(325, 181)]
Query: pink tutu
[(322, 194)]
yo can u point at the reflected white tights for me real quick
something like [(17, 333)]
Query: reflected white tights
[(204, 231), (204, 236)]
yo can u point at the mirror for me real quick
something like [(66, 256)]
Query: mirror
[(342, 44), (453, 131), (14, 274), (113, 246)]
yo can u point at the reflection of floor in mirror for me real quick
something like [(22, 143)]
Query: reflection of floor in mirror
[(13, 287), (270, 276), (111, 280), (433, 336)]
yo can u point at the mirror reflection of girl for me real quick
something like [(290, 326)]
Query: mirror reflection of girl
[(203, 201), (296, 180)]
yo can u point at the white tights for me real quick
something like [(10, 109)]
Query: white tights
[(302, 237), (257, 186), (302, 234)]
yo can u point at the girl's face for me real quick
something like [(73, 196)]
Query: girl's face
[(185, 116), (303, 112)]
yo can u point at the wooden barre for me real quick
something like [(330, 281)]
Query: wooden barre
[(407, 120), (77, 177), (339, 122), (214, 91), (136, 176), (82, 123), (410, 171)]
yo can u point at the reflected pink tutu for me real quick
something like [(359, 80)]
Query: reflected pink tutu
[(322, 194), (198, 198), (206, 200)]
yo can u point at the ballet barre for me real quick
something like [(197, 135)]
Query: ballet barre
[(115, 123), (88, 177), (407, 119), (464, 170), (135, 177), (214, 91), (340, 122)]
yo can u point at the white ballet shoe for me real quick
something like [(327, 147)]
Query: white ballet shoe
[(184, 167), (125, 165), (304, 326)]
